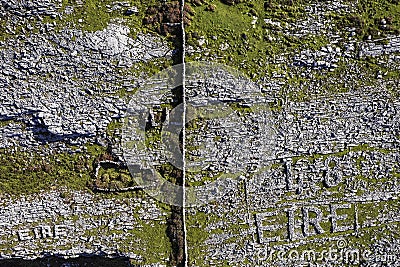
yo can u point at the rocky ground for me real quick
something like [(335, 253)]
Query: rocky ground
[(322, 176)]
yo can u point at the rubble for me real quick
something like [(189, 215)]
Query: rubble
[(67, 90)]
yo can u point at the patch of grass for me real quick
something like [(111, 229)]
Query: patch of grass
[(152, 67), (113, 127), (238, 36), (153, 138), (95, 15), (361, 147), (147, 238), (368, 20), (230, 27), (91, 15), (5, 123), (114, 178), (197, 234), (30, 172), (151, 238)]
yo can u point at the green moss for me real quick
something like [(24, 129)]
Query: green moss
[(197, 234), (3, 30), (229, 37), (238, 36), (368, 16), (153, 138), (30, 172), (114, 178), (152, 239), (152, 67), (286, 10), (92, 15), (113, 126), (95, 15), (361, 147), (5, 123), (147, 239)]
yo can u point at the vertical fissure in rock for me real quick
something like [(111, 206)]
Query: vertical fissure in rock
[(185, 252), (176, 229)]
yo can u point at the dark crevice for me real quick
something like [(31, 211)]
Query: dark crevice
[(176, 236), (166, 19)]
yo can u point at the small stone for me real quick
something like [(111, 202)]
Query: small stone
[(197, 2), (224, 46), (131, 11), (253, 12), (229, 2), (211, 8)]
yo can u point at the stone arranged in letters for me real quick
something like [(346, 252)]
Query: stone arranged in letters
[(44, 231), (312, 218)]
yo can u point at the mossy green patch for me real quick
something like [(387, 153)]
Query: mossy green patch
[(113, 127), (374, 19), (197, 233), (89, 15), (360, 147), (95, 15), (237, 35), (6, 122), (151, 238), (30, 172), (114, 178)]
